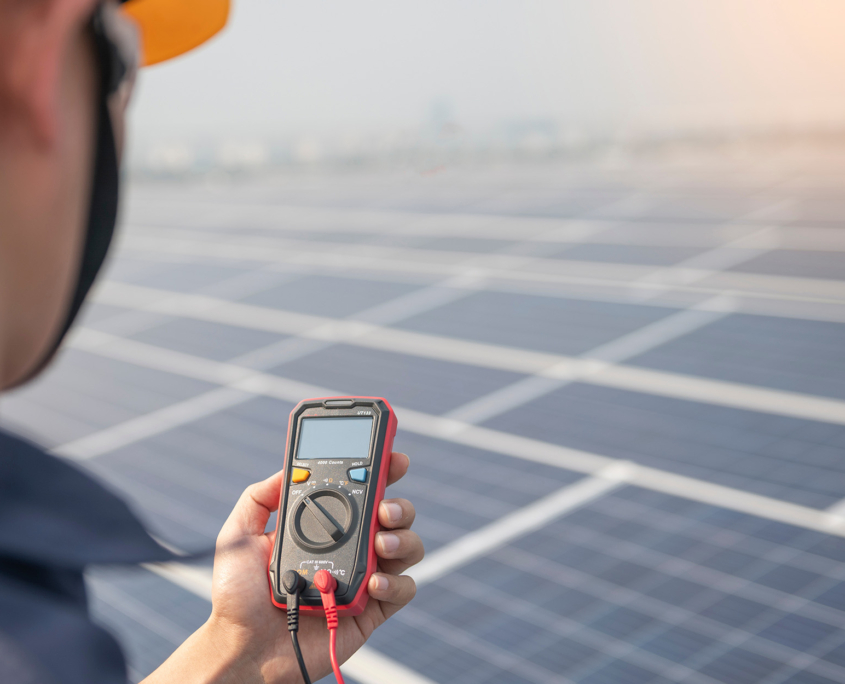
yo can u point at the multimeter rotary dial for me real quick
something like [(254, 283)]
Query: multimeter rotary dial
[(321, 519)]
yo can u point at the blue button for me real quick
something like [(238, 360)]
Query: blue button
[(358, 475)]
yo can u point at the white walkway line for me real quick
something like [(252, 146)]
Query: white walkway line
[(509, 397), (722, 393), (536, 269), (282, 219), (638, 342), (567, 285), (321, 328), (375, 221), (132, 322), (367, 665), (521, 522), (196, 580), (195, 408), (152, 310), (481, 438), (661, 331), (159, 358), (371, 667), (154, 423), (392, 311), (635, 343), (555, 366), (422, 300), (643, 476), (203, 307), (837, 509), (708, 263), (381, 221), (136, 610)]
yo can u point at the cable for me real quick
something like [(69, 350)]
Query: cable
[(294, 637), (293, 584), (327, 585), (333, 656)]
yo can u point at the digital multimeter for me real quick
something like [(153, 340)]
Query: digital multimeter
[(335, 472)]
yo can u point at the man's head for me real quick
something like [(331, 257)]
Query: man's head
[(48, 102), (62, 119)]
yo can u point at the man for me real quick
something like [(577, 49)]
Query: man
[(66, 69)]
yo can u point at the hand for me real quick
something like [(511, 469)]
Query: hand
[(246, 638)]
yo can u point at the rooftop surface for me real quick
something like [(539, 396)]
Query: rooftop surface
[(622, 388)]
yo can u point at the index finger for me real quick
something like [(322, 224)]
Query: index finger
[(399, 463)]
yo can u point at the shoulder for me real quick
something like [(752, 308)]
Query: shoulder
[(56, 519), (56, 514)]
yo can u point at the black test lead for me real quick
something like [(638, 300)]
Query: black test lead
[(294, 583)]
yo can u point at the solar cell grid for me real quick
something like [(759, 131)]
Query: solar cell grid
[(150, 615), (619, 601), (553, 203), (86, 393), (681, 207), (186, 277), (93, 312), (472, 245), (794, 355), (423, 384), (800, 264), (791, 459), (186, 480), (532, 322), (203, 338), (634, 587), (628, 254), (323, 296)]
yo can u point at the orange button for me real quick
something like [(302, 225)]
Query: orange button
[(299, 475)]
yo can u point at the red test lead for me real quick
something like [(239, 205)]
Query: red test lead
[(327, 585)]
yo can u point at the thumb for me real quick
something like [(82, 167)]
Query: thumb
[(250, 515)]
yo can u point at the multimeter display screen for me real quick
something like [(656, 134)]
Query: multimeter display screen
[(335, 438)]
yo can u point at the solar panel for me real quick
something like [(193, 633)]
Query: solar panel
[(687, 592), (488, 296)]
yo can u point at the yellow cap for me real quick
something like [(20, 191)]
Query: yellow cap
[(170, 28)]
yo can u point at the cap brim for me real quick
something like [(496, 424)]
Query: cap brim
[(170, 28)]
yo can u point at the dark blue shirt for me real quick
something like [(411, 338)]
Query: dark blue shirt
[(54, 521)]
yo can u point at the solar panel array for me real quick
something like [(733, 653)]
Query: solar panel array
[(621, 388)]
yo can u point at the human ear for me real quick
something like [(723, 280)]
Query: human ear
[(34, 39)]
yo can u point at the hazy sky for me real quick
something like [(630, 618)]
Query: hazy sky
[(286, 68)]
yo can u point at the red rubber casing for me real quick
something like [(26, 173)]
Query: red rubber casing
[(347, 606)]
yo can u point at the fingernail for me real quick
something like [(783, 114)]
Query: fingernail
[(379, 583), (394, 511), (389, 542)]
